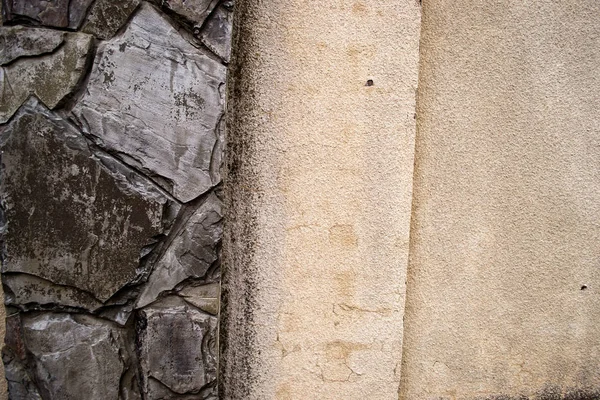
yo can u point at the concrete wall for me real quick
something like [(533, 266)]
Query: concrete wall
[(504, 276), (504, 271), (319, 193)]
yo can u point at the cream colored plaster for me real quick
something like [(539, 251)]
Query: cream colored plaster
[(319, 194), (506, 225), (3, 383)]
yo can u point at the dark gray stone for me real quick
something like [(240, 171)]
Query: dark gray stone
[(20, 384), (157, 390), (193, 11), (56, 13), (204, 297), (157, 102), (51, 77), (77, 11), (50, 13), (20, 379), (19, 41), (71, 219), (23, 289), (106, 17), (216, 33), (75, 356), (191, 252), (177, 348)]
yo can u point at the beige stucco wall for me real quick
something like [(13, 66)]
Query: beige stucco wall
[(506, 230), (3, 383), (319, 193)]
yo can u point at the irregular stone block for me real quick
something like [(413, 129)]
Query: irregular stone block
[(71, 219), (216, 33), (14, 357), (156, 100), (51, 77), (157, 390), (74, 355), (194, 11), (51, 13), (204, 297), (190, 254), (56, 13), (177, 347), (20, 384), (108, 16), (77, 12), (18, 41), (27, 289)]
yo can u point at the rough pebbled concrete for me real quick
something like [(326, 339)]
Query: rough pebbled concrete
[(504, 278), (318, 198)]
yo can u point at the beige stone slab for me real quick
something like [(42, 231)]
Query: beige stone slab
[(319, 192), (504, 276)]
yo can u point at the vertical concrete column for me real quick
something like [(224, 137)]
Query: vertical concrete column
[(320, 165), (504, 278)]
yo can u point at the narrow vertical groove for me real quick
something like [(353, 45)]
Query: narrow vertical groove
[(409, 291)]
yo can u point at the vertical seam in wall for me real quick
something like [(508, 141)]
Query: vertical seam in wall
[(408, 292), (231, 272)]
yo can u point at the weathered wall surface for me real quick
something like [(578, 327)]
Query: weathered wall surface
[(319, 190), (111, 135), (504, 276), (111, 132)]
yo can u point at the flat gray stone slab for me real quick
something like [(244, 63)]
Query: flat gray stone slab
[(75, 356), (177, 347), (27, 289), (190, 254), (216, 33), (194, 11), (156, 101), (106, 17), (50, 77), (19, 41), (73, 218), (55, 13)]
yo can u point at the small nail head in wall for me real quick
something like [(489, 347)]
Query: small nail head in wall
[(583, 287), (370, 82)]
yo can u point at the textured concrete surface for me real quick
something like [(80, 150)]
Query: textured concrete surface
[(504, 277), (321, 141), (3, 383)]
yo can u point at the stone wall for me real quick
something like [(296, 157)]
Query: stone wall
[(112, 132), (408, 210)]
